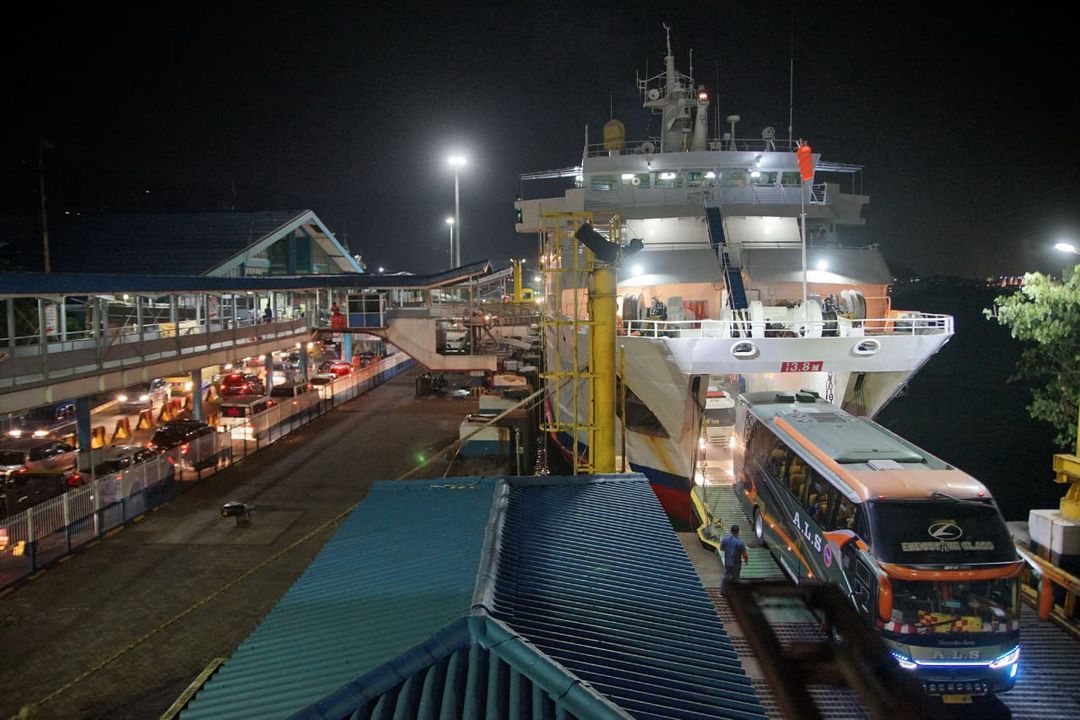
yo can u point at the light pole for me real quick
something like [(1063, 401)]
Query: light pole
[(450, 222), (456, 162)]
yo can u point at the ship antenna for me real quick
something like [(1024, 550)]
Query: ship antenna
[(791, 81), (691, 68), (667, 30)]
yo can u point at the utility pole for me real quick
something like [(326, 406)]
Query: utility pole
[(43, 145)]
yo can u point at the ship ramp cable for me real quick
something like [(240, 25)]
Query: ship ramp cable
[(31, 709)]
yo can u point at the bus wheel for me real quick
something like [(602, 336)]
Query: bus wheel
[(759, 528)]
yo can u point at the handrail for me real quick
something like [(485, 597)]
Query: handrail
[(912, 324)]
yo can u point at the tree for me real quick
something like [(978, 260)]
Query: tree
[(1045, 314)]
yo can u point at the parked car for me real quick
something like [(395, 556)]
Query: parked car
[(242, 384), (55, 419), (36, 455), (22, 490), (194, 441), (338, 367), (143, 397)]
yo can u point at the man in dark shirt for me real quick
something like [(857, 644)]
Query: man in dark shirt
[(733, 553)]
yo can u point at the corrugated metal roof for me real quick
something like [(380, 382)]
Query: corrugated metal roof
[(24, 284), (516, 597), (399, 569), (593, 575)]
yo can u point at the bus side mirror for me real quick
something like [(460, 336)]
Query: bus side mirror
[(885, 598)]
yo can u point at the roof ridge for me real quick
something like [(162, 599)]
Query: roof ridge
[(487, 572)]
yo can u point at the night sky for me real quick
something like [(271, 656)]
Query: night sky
[(964, 120)]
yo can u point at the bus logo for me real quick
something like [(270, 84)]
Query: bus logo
[(945, 531)]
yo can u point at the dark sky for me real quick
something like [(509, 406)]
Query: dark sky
[(963, 118)]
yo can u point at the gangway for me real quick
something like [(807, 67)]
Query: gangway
[(1049, 661)]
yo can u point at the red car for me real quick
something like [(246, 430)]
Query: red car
[(241, 384), (338, 367)]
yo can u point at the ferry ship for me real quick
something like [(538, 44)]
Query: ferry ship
[(732, 271)]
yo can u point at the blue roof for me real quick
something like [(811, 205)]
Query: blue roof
[(506, 597)]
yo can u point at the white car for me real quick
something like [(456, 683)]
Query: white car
[(323, 384), (143, 397)]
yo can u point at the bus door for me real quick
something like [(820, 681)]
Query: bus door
[(873, 601)]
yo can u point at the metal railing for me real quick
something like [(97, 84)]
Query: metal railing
[(45, 532), (908, 324)]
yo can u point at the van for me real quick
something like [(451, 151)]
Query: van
[(290, 390), (22, 490), (235, 416), (719, 416)]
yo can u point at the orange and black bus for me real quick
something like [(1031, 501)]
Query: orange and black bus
[(919, 546)]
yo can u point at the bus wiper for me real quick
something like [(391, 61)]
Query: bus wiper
[(965, 501)]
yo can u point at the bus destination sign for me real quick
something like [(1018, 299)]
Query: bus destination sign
[(801, 366)]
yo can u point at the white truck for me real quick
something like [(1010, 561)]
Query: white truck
[(719, 416)]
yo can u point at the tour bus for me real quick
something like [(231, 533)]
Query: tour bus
[(241, 416), (919, 546)]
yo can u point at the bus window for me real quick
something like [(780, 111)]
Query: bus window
[(818, 496), (764, 448), (796, 478), (844, 518)]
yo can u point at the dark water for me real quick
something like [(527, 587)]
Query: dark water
[(962, 408)]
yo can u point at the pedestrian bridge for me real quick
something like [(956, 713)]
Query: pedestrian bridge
[(68, 335)]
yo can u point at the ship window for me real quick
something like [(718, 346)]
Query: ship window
[(733, 178), (765, 178), (694, 177), (638, 180), (668, 180), (790, 179), (637, 416), (602, 182)]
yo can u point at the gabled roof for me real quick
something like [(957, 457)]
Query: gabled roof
[(178, 243), (499, 597)]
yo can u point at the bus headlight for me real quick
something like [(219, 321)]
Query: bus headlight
[(122, 398), (904, 661), (1007, 659)]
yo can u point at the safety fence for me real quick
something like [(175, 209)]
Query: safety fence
[(51, 529)]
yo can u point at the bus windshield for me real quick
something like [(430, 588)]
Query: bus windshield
[(922, 607), (939, 532)]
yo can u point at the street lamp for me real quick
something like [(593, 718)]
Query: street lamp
[(1066, 247), (456, 162), (450, 222)]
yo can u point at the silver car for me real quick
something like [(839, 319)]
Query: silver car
[(36, 454)]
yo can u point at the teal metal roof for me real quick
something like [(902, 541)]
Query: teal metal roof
[(400, 568), (492, 597)]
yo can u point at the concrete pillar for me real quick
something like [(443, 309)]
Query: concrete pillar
[(346, 346), (268, 363), (62, 310), (304, 362), (83, 431), (196, 395), (43, 333)]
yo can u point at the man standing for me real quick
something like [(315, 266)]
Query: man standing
[(733, 552)]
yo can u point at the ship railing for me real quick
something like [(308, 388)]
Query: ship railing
[(651, 145), (908, 323), (1052, 590)]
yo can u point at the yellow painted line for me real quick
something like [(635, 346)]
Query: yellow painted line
[(6, 591), (64, 559), (114, 531), (92, 543), (138, 518), (36, 575), (190, 690)]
